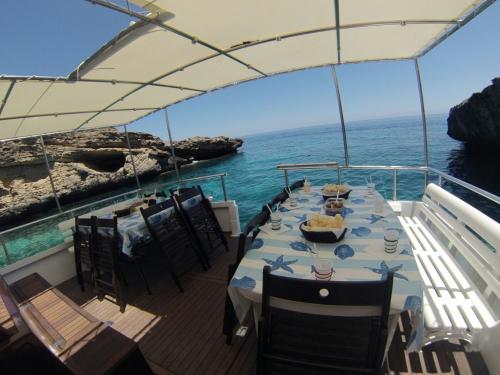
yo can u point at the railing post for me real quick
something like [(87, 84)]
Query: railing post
[(341, 114), (5, 251), (286, 177), (54, 192), (424, 120), (132, 158), (395, 185), (339, 175), (223, 184), (167, 123), (440, 181)]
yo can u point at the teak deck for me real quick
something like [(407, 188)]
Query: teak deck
[(181, 333)]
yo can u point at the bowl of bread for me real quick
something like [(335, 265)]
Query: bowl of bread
[(323, 229), (331, 191)]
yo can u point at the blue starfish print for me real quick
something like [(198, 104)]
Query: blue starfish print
[(384, 269), (280, 263), (406, 251), (301, 218), (374, 218)]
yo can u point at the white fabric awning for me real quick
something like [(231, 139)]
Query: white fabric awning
[(184, 48)]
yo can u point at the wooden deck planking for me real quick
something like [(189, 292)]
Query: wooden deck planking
[(181, 333)]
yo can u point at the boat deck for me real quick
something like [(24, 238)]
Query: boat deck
[(181, 333)]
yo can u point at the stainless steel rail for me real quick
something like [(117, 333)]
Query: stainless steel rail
[(219, 176), (307, 166), (395, 168)]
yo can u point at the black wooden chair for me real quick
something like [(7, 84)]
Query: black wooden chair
[(297, 185), (197, 211), (174, 239), (82, 241), (244, 241), (297, 343), (108, 277)]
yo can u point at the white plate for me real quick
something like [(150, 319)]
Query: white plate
[(290, 208), (268, 230)]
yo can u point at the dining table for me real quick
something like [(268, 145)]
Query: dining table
[(359, 256)]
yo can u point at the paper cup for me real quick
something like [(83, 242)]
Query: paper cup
[(275, 221), (371, 187), (391, 238), (323, 269)]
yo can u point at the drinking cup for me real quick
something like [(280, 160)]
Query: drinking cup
[(371, 187), (391, 238), (323, 269), (307, 186), (292, 200), (275, 221)]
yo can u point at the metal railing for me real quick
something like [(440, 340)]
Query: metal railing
[(220, 176), (99, 203), (394, 168)]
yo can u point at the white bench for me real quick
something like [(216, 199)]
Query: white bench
[(456, 248)]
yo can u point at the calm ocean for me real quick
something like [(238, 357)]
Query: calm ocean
[(253, 178)]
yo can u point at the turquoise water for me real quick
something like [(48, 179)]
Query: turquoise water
[(253, 178)]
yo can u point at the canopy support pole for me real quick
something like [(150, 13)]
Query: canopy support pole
[(424, 121), (337, 27), (172, 149), (50, 175), (341, 114), (132, 158)]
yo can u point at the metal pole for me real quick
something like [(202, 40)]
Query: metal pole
[(395, 185), (132, 158), (337, 27), (50, 175), (341, 114), (424, 121), (440, 180), (339, 178), (223, 184), (171, 145), (5, 251), (286, 178)]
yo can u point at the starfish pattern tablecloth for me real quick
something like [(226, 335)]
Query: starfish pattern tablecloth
[(359, 256)]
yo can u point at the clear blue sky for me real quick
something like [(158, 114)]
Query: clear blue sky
[(52, 37)]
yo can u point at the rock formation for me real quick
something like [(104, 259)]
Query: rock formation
[(84, 163), (476, 121), (202, 148)]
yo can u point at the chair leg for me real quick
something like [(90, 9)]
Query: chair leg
[(139, 271), (177, 281)]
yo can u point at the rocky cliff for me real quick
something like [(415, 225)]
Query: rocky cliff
[(476, 121), (84, 163)]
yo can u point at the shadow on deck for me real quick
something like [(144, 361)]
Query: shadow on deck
[(181, 333)]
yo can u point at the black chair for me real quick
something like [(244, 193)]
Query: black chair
[(108, 276), (297, 185), (297, 343), (197, 211), (82, 241), (174, 239), (280, 198), (245, 239)]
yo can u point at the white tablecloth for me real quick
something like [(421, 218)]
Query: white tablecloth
[(359, 256)]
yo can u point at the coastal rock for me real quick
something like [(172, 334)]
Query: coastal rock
[(203, 148), (476, 120), (82, 164)]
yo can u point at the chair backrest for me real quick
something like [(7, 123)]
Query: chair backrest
[(105, 259), (297, 185), (171, 234), (329, 343), (82, 240), (280, 198), (252, 227)]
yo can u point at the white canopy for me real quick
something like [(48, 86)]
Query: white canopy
[(184, 48)]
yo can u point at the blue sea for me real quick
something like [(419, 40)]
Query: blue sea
[(253, 178)]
